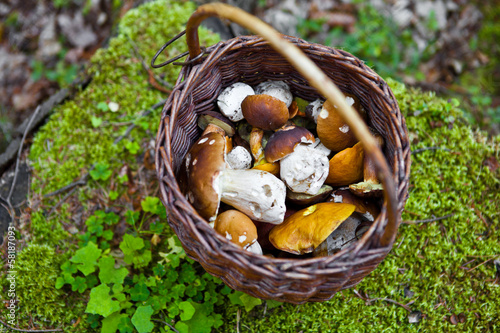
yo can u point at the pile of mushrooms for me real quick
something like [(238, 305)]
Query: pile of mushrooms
[(281, 176)]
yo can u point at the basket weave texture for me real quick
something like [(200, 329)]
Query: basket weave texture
[(250, 59)]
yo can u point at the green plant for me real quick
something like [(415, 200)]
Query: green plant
[(129, 288), (62, 73)]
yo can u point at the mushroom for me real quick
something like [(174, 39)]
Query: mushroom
[(265, 112), (332, 130), (346, 167), (209, 118), (370, 186), (305, 230), (341, 237), (257, 193), (239, 229), (229, 100), (313, 109), (239, 158), (304, 170), (366, 207), (282, 142), (304, 199), (277, 89)]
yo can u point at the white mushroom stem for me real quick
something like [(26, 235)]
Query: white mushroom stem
[(239, 158), (229, 100), (320, 147), (257, 193), (304, 170), (254, 247), (314, 108)]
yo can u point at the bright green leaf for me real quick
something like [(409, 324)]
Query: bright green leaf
[(187, 310), (96, 121), (149, 204), (142, 319), (100, 171), (110, 323), (249, 302), (103, 106), (86, 258), (100, 301), (108, 273)]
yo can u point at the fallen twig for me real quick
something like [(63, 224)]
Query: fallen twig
[(416, 151), (22, 330), (164, 322), (428, 220), (81, 181), (144, 113), (18, 159), (484, 262), (369, 300)]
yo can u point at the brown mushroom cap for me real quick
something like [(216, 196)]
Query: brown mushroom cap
[(237, 227), (264, 111), (332, 130), (303, 231), (346, 167), (204, 165), (283, 142)]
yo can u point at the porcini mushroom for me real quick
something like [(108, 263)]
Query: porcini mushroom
[(340, 238), (282, 142), (304, 170), (346, 167), (239, 158), (264, 112), (208, 118), (277, 89), (370, 186), (229, 100), (257, 193), (332, 130), (239, 229), (305, 230)]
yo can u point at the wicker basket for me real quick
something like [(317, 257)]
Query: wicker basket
[(252, 60)]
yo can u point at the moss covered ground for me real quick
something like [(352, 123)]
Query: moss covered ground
[(443, 271)]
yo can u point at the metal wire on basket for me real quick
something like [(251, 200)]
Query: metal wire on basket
[(182, 55)]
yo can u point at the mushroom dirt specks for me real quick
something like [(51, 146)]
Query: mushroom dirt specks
[(277, 89), (304, 170)]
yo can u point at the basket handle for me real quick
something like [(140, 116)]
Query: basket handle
[(318, 80)]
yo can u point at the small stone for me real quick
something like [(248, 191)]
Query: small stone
[(414, 317), (113, 107)]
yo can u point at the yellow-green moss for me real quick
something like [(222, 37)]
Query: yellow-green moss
[(68, 145)]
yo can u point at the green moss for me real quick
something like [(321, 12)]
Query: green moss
[(429, 259), (69, 144), (37, 267)]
